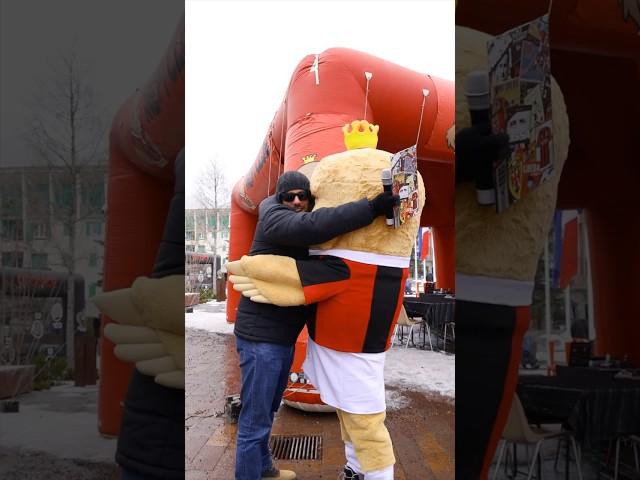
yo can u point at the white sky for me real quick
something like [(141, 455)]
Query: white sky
[(241, 54)]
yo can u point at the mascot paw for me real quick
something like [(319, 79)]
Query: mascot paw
[(235, 268), (150, 326)]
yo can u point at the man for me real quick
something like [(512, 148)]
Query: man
[(266, 334)]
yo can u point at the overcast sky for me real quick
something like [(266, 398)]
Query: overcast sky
[(241, 54), (119, 41)]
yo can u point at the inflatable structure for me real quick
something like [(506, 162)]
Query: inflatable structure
[(326, 92), (595, 58), (147, 133)]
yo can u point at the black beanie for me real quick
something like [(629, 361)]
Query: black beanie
[(291, 181)]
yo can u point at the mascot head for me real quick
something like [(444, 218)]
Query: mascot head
[(506, 245), (353, 174)]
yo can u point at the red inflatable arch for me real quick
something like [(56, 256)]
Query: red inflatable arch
[(146, 135), (307, 127), (595, 58)]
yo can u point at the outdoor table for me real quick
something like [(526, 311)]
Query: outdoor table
[(435, 309), (596, 408)]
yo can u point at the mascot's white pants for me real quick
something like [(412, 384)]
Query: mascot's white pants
[(354, 382), (367, 444)]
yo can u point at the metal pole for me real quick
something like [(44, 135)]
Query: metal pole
[(415, 265), (591, 314), (547, 300)]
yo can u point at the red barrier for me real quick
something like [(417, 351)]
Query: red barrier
[(146, 135)]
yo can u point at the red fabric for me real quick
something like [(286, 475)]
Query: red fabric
[(344, 311), (426, 245)]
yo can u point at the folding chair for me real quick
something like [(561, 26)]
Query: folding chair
[(518, 430)]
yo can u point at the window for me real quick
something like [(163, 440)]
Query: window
[(12, 259), (12, 230), (63, 194), (201, 248), (93, 259), (92, 290), (39, 261), (189, 248), (189, 235), (201, 236), (94, 229), (39, 230), (11, 196), (93, 197)]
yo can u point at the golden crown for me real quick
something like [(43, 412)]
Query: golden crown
[(362, 135)]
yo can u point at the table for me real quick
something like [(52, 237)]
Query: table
[(436, 310), (596, 408)]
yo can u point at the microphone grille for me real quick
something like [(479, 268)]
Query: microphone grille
[(476, 89)]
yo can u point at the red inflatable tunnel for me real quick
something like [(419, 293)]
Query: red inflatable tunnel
[(146, 135), (307, 127)]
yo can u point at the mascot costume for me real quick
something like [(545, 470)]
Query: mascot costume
[(357, 282), (496, 261)]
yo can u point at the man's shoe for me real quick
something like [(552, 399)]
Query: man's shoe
[(279, 474), (348, 474)]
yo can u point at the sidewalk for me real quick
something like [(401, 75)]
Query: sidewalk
[(55, 435), (420, 409)]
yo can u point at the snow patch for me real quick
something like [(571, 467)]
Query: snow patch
[(395, 400), (421, 370), (407, 368), (215, 322)]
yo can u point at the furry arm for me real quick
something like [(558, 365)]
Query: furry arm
[(267, 279), (150, 326)]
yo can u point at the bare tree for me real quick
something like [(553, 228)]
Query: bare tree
[(67, 132), (212, 193)]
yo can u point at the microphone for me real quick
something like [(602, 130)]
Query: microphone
[(386, 186), (479, 100)]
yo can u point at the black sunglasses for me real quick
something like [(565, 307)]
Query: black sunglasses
[(288, 197)]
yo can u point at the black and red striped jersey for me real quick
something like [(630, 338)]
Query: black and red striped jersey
[(357, 303)]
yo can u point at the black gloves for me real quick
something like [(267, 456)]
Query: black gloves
[(476, 150), (384, 202)]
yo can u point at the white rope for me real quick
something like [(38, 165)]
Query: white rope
[(368, 76), (425, 94)]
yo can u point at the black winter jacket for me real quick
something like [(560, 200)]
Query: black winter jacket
[(282, 231)]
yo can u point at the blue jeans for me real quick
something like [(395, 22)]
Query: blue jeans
[(264, 368)]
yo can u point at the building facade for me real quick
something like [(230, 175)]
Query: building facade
[(207, 231), (39, 229)]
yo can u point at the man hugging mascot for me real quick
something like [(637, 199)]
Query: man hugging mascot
[(357, 283)]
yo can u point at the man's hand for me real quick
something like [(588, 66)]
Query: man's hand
[(384, 202), (476, 150)]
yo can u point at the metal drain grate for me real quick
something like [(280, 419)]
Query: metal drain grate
[(296, 447)]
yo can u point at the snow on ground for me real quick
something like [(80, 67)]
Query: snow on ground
[(211, 317), (406, 368), (421, 371)]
